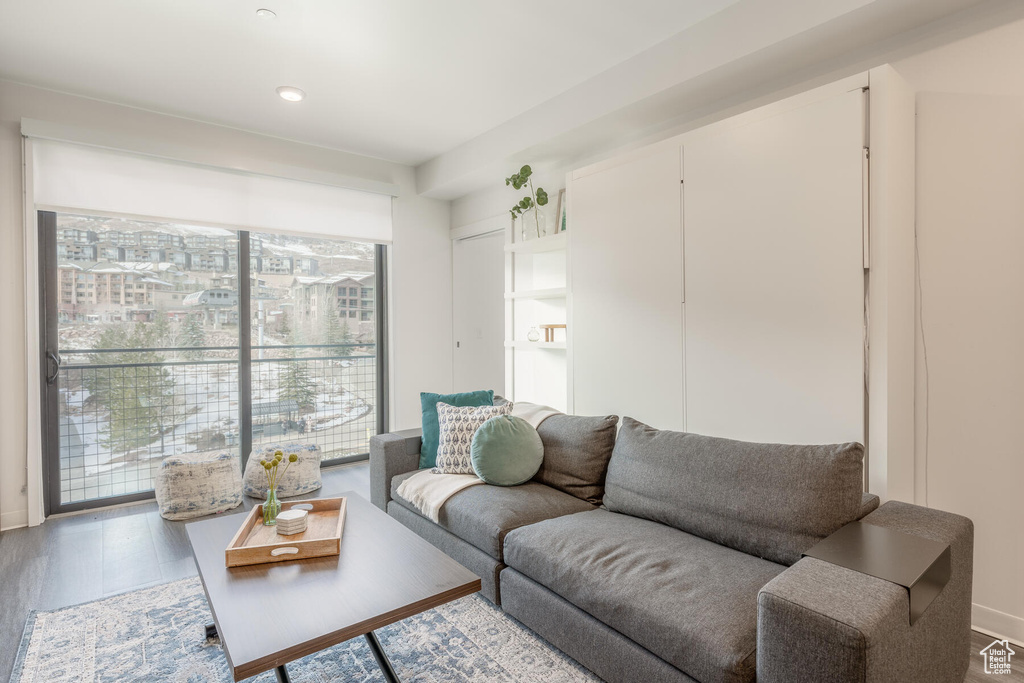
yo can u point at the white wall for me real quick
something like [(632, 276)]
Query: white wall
[(969, 405), (421, 255), (970, 394)]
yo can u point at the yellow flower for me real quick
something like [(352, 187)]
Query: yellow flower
[(293, 457)]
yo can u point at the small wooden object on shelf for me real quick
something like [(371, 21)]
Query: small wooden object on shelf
[(549, 331), (258, 544)]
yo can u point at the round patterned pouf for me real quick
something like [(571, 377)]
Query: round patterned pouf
[(302, 476), (198, 484)]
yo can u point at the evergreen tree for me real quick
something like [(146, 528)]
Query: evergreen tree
[(159, 331), (193, 336), (294, 382), (136, 390), (346, 339), (336, 333), (284, 327)]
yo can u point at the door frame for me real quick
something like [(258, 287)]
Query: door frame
[(474, 236)]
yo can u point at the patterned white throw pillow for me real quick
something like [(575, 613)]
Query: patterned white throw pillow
[(457, 426)]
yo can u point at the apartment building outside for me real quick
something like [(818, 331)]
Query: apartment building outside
[(108, 292), (349, 296)]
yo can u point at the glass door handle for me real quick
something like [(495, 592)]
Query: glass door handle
[(56, 367)]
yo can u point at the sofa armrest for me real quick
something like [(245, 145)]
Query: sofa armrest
[(391, 454), (818, 621)]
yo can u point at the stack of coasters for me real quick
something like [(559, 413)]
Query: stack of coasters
[(291, 522)]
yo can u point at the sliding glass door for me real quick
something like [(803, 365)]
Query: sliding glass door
[(162, 339), (314, 360)]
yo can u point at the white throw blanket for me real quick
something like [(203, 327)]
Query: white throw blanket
[(534, 413), (428, 492)]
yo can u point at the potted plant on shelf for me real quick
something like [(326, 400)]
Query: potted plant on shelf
[(531, 202)]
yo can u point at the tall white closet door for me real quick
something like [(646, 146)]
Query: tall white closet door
[(626, 283), (478, 318), (774, 277)]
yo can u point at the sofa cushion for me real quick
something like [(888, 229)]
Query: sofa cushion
[(483, 514), (770, 500), (506, 451), (457, 427), (689, 601), (576, 454), (431, 429)]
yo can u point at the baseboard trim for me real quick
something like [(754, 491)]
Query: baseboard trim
[(13, 520), (999, 625)]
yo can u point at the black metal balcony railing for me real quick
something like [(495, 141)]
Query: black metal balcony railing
[(123, 410)]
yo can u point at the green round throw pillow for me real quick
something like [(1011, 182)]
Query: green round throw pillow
[(506, 451)]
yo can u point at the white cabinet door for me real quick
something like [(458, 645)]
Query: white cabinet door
[(625, 254), (774, 277), (478, 313)]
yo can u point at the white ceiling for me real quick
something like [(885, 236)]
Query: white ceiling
[(746, 55), (404, 80)]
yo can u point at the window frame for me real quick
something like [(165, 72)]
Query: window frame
[(49, 303)]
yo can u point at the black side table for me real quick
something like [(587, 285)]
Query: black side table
[(920, 565)]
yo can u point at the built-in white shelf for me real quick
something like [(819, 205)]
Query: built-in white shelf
[(541, 244), (553, 293), (537, 292), (524, 345)]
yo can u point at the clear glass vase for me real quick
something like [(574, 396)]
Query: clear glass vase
[(270, 508), (533, 224)]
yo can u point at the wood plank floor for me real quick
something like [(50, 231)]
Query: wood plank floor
[(83, 557), (87, 556)]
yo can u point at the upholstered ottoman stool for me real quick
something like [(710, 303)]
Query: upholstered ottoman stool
[(302, 476), (198, 484)]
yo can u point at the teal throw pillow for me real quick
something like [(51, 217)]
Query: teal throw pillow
[(506, 451), (431, 430)]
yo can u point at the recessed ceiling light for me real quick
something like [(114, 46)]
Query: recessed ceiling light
[(266, 13), (291, 93)]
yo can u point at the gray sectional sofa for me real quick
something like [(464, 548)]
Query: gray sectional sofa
[(652, 555)]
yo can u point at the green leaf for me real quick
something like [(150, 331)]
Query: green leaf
[(525, 171)]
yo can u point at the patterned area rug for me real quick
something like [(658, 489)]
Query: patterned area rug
[(157, 634)]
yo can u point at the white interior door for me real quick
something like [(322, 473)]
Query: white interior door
[(774, 277), (626, 282), (478, 312)]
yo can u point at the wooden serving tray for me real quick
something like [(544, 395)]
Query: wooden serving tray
[(258, 544)]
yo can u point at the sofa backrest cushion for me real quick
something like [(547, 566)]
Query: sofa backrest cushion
[(770, 500), (576, 454)]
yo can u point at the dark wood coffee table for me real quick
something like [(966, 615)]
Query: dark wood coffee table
[(270, 614)]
